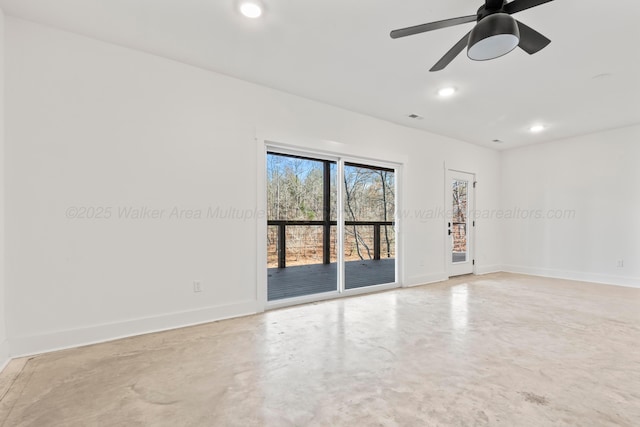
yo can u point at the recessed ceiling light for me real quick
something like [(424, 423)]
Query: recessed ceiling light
[(536, 128), (446, 91), (251, 9)]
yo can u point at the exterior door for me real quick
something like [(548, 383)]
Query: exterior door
[(459, 223)]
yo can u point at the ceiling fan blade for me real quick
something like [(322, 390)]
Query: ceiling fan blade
[(520, 5), (417, 29), (453, 52), (531, 41)]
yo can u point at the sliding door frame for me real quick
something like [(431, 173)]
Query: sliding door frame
[(266, 146)]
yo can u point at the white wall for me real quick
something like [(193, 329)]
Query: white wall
[(4, 349), (95, 125), (598, 177)]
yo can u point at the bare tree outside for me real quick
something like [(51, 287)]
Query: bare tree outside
[(295, 192), (369, 196)]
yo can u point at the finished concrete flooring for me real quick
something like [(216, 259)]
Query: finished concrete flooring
[(495, 350)]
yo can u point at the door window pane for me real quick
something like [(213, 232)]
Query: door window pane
[(459, 249), (369, 206)]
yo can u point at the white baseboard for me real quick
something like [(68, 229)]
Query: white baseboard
[(60, 340), (4, 355), (580, 276), (425, 280), (488, 269)]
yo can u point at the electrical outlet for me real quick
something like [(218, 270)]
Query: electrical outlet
[(620, 263), (197, 286)]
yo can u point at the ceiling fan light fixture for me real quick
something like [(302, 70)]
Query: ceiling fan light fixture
[(494, 36)]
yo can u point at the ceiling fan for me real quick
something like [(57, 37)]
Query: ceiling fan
[(495, 34)]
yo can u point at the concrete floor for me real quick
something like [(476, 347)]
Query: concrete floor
[(498, 350)]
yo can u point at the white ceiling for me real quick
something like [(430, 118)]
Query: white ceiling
[(339, 52)]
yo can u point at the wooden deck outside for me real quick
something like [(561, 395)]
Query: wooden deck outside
[(317, 278)]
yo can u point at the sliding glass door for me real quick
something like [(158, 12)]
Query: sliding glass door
[(324, 238)]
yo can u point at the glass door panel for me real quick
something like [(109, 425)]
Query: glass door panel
[(369, 233), (301, 200)]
